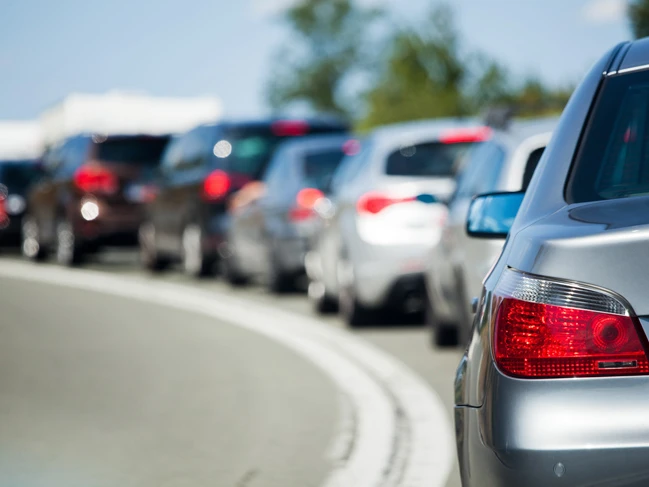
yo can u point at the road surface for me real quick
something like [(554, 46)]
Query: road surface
[(98, 388)]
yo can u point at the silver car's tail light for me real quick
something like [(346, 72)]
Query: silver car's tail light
[(545, 328)]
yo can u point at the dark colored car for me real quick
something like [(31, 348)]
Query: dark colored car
[(16, 177), (202, 174), (269, 236), (90, 195)]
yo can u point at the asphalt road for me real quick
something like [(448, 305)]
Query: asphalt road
[(100, 390)]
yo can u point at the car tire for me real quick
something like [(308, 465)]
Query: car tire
[(443, 335), (194, 261), (232, 275), (31, 245), (351, 310), (149, 256), (69, 252), (321, 301), (277, 280)]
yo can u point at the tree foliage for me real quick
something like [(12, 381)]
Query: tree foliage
[(327, 49), (639, 17), (424, 72)]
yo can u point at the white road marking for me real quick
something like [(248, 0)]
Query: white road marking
[(401, 436)]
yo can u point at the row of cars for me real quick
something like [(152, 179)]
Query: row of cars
[(374, 223), (525, 241)]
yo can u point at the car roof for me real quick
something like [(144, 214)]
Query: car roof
[(264, 122), (634, 56), (520, 130), (301, 144), (394, 134)]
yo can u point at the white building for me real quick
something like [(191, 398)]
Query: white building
[(20, 140), (122, 113)]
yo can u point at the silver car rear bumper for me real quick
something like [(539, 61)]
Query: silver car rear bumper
[(570, 432)]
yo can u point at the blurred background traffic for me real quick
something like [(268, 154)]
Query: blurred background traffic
[(336, 151)]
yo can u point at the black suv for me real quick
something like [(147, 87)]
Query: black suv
[(202, 174), (91, 194)]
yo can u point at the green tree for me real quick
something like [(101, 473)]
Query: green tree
[(639, 17), (423, 77), (327, 49)]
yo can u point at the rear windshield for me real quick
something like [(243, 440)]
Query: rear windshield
[(145, 151), (613, 160), (250, 149), (17, 176), (320, 166), (428, 159)]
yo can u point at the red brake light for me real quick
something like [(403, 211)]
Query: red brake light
[(465, 135), (542, 329), (216, 185), (290, 128), (374, 203), (306, 200), (94, 179), (351, 147)]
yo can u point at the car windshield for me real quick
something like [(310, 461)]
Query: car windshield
[(319, 166), (146, 151), (428, 159), (249, 149), (613, 160), (18, 175)]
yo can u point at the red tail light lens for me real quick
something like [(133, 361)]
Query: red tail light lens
[(550, 329), (374, 203), (305, 203), (216, 185), (93, 179), (290, 128), (465, 135)]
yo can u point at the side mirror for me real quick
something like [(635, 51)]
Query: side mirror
[(492, 215)]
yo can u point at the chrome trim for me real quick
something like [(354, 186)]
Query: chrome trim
[(557, 292)]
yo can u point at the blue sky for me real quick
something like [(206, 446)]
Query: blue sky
[(224, 47)]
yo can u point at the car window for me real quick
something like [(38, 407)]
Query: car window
[(278, 172), (530, 166), (249, 149), (482, 172), (18, 175), (613, 159), (349, 167), (427, 159), (173, 153), (136, 150), (318, 167), (197, 148)]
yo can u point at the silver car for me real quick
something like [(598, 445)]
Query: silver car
[(553, 389), (270, 234), (384, 214), (458, 264)]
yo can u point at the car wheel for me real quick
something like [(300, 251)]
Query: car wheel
[(149, 256), (278, 281), (31, 246), (68, 250), (321, 301), (352, 311), (232, 275), (442, 334), (195, 263)]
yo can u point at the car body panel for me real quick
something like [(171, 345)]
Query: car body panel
[(573, 431)]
